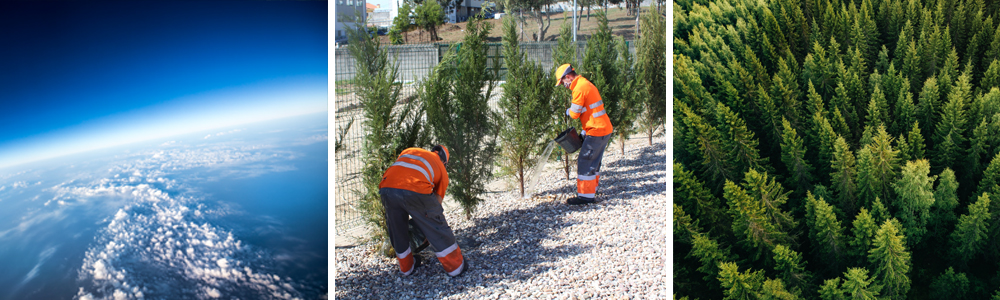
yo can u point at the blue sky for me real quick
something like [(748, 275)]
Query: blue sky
[(78, 76)]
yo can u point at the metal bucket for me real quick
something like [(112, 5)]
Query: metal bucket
[(569, 140)]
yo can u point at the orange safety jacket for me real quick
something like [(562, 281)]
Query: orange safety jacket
[(417, 170), (588, 107)]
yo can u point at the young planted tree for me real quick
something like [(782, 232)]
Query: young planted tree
[(600, 66), (564, 53), (456, 96), (628, 101), (651, 65), (390, 124), (525, 108)]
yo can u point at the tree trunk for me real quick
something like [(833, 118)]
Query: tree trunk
[(651, 129), (566, 163), (621, 142), (520, 175)]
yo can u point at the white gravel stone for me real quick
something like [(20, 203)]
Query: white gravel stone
[(541, 247)]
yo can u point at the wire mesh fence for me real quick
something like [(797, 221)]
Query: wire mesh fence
[(415, 63)]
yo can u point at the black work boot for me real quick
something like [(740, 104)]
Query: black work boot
[(580, 200)]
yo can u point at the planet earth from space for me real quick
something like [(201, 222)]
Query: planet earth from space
[(238, 212)]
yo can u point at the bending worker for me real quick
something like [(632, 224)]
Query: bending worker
[(414, 186), (588, 107)]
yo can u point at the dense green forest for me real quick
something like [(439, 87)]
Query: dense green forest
[(836, 149)]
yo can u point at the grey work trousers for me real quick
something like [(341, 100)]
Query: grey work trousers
[(425, 210)]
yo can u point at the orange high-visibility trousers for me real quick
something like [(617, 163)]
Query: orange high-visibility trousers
[(588, 165)]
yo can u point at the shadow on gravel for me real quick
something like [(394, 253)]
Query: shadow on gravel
[(507, 250), (614, 176)]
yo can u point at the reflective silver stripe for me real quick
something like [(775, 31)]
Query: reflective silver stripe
[(577, 108), (447, 251), (421, 159), (404, 254), (595, 105), (598, 114), (585, 177), (457, 270), (415, 167), (585, 195)]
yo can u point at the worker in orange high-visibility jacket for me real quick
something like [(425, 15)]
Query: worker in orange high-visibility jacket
[(414, 186), (589, 108)]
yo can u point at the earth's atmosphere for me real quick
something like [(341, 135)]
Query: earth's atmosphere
[(231, 213)]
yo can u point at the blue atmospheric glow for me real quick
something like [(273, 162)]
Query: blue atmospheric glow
[(79, 76)]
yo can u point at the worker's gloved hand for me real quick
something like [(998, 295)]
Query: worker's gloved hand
[(583, 133), (567, 113)]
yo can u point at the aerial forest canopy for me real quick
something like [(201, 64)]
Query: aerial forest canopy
[(827, 149)]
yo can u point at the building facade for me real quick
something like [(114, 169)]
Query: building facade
[(345, 12)]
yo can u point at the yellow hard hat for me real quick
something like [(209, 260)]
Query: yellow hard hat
[(562, 71)]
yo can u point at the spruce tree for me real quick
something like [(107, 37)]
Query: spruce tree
[(456, 96), (793, 153), (844, 176), (859, 285), (863, 233), (949, 134), (740, 286), (772, 196), (705, 142), (751, 224), (891, 260), (699, 201), (526, 111), (739, 143), (970, 234), (950, 285), (710, 254), (791, 269), (829, 238), (928, 107), (943, 211), (831, 290), (915, 198)]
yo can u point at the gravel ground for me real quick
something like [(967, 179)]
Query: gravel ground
[(542, 248)]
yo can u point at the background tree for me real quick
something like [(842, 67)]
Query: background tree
[(429, 15), (391, 125), (401, 24), (859, 285), (525, 112), (456, 97), (791, 269)]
